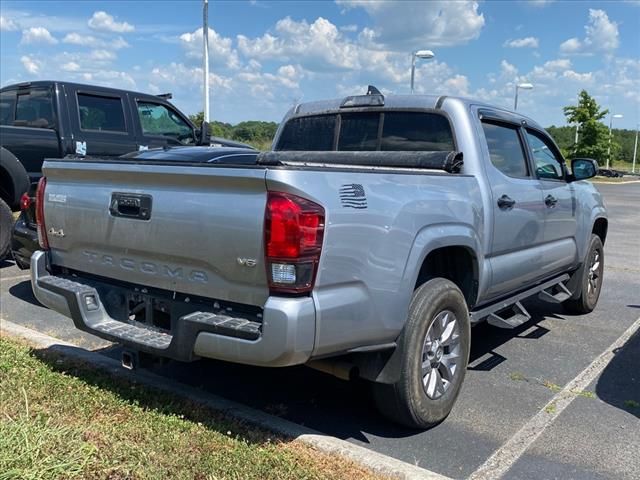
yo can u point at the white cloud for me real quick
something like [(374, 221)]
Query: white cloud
[(37, 35), (527, 42), (110, 78), (434, 23), (540, 3), (7, 25), (601, 36), (573, 45), (70, 67), (104, 22), (319, 46), (102, 55), (30, 65), (578, 77), (219, 47), (507, 69), (93, 42)]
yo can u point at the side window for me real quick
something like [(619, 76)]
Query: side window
[(548, 162), (505, 149), (7, 107), (34, 109), (158, 119), (101, 113)]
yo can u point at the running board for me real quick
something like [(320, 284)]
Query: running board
[(556, 294), (518, 318)]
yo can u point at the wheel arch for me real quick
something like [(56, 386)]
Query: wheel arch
[(14, 179)]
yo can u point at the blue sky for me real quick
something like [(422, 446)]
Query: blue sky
[(266, 55)]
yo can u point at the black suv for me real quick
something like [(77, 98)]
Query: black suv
[(49, 119)]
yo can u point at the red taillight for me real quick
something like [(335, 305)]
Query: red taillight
[(25, 202), (42, 230), (294, 228)]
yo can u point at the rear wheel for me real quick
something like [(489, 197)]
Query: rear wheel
[(434, 351), (6, 224), (591, 282)]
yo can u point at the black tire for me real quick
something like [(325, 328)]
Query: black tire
[(6, 226), (406, 401), (586, 296)]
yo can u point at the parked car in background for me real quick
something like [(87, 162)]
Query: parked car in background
[(49, 119), (367, 244), (607, 172)]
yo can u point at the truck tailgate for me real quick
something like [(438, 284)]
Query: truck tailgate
[(202, 234)]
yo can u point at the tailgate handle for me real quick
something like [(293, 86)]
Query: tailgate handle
[(130, 205)]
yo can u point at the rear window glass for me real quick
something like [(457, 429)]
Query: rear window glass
[(360, 131), (34, 109), (7, 107), (416, 131), (101, 113), (308, 133)]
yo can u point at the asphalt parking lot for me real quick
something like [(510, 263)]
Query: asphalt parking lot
[(512, 376)]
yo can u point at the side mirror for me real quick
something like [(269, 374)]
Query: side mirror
[(204, 134), (583, 168)]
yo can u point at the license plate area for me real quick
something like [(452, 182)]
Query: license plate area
[(150, 311)]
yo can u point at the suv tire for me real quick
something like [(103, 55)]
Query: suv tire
[(586, 297), (433, 345)]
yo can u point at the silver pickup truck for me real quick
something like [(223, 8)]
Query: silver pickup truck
[(366, 243)]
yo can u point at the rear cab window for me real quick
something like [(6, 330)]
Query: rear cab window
[(7, 107), (34, 108), (388, 130)]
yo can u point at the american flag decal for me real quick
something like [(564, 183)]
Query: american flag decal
[(352, 196)]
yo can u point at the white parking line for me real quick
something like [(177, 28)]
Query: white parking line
[(506, 456)]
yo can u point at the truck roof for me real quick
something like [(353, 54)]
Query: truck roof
[(400, 102), (46, 83)]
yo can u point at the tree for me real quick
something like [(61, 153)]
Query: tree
[(593, 139)]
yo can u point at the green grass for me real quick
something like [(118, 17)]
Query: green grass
[(64, 419)]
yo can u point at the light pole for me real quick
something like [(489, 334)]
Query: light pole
[(205, 54), (617, 115), (524, 86), (423, 54), (635, 150)]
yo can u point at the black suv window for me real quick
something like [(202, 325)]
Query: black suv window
[(34, 108), (547, 160), (360, 131), (101, 113), (505, 149), (158, 119), (7, 107)]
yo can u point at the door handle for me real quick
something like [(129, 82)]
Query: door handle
[(550, 201), (505, 202)]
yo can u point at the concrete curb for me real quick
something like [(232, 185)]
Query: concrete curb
[(374, 461), (600, 182)]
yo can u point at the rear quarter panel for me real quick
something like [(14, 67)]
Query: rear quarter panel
[(371, 256)]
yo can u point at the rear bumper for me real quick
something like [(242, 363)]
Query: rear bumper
[(286, 333)]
